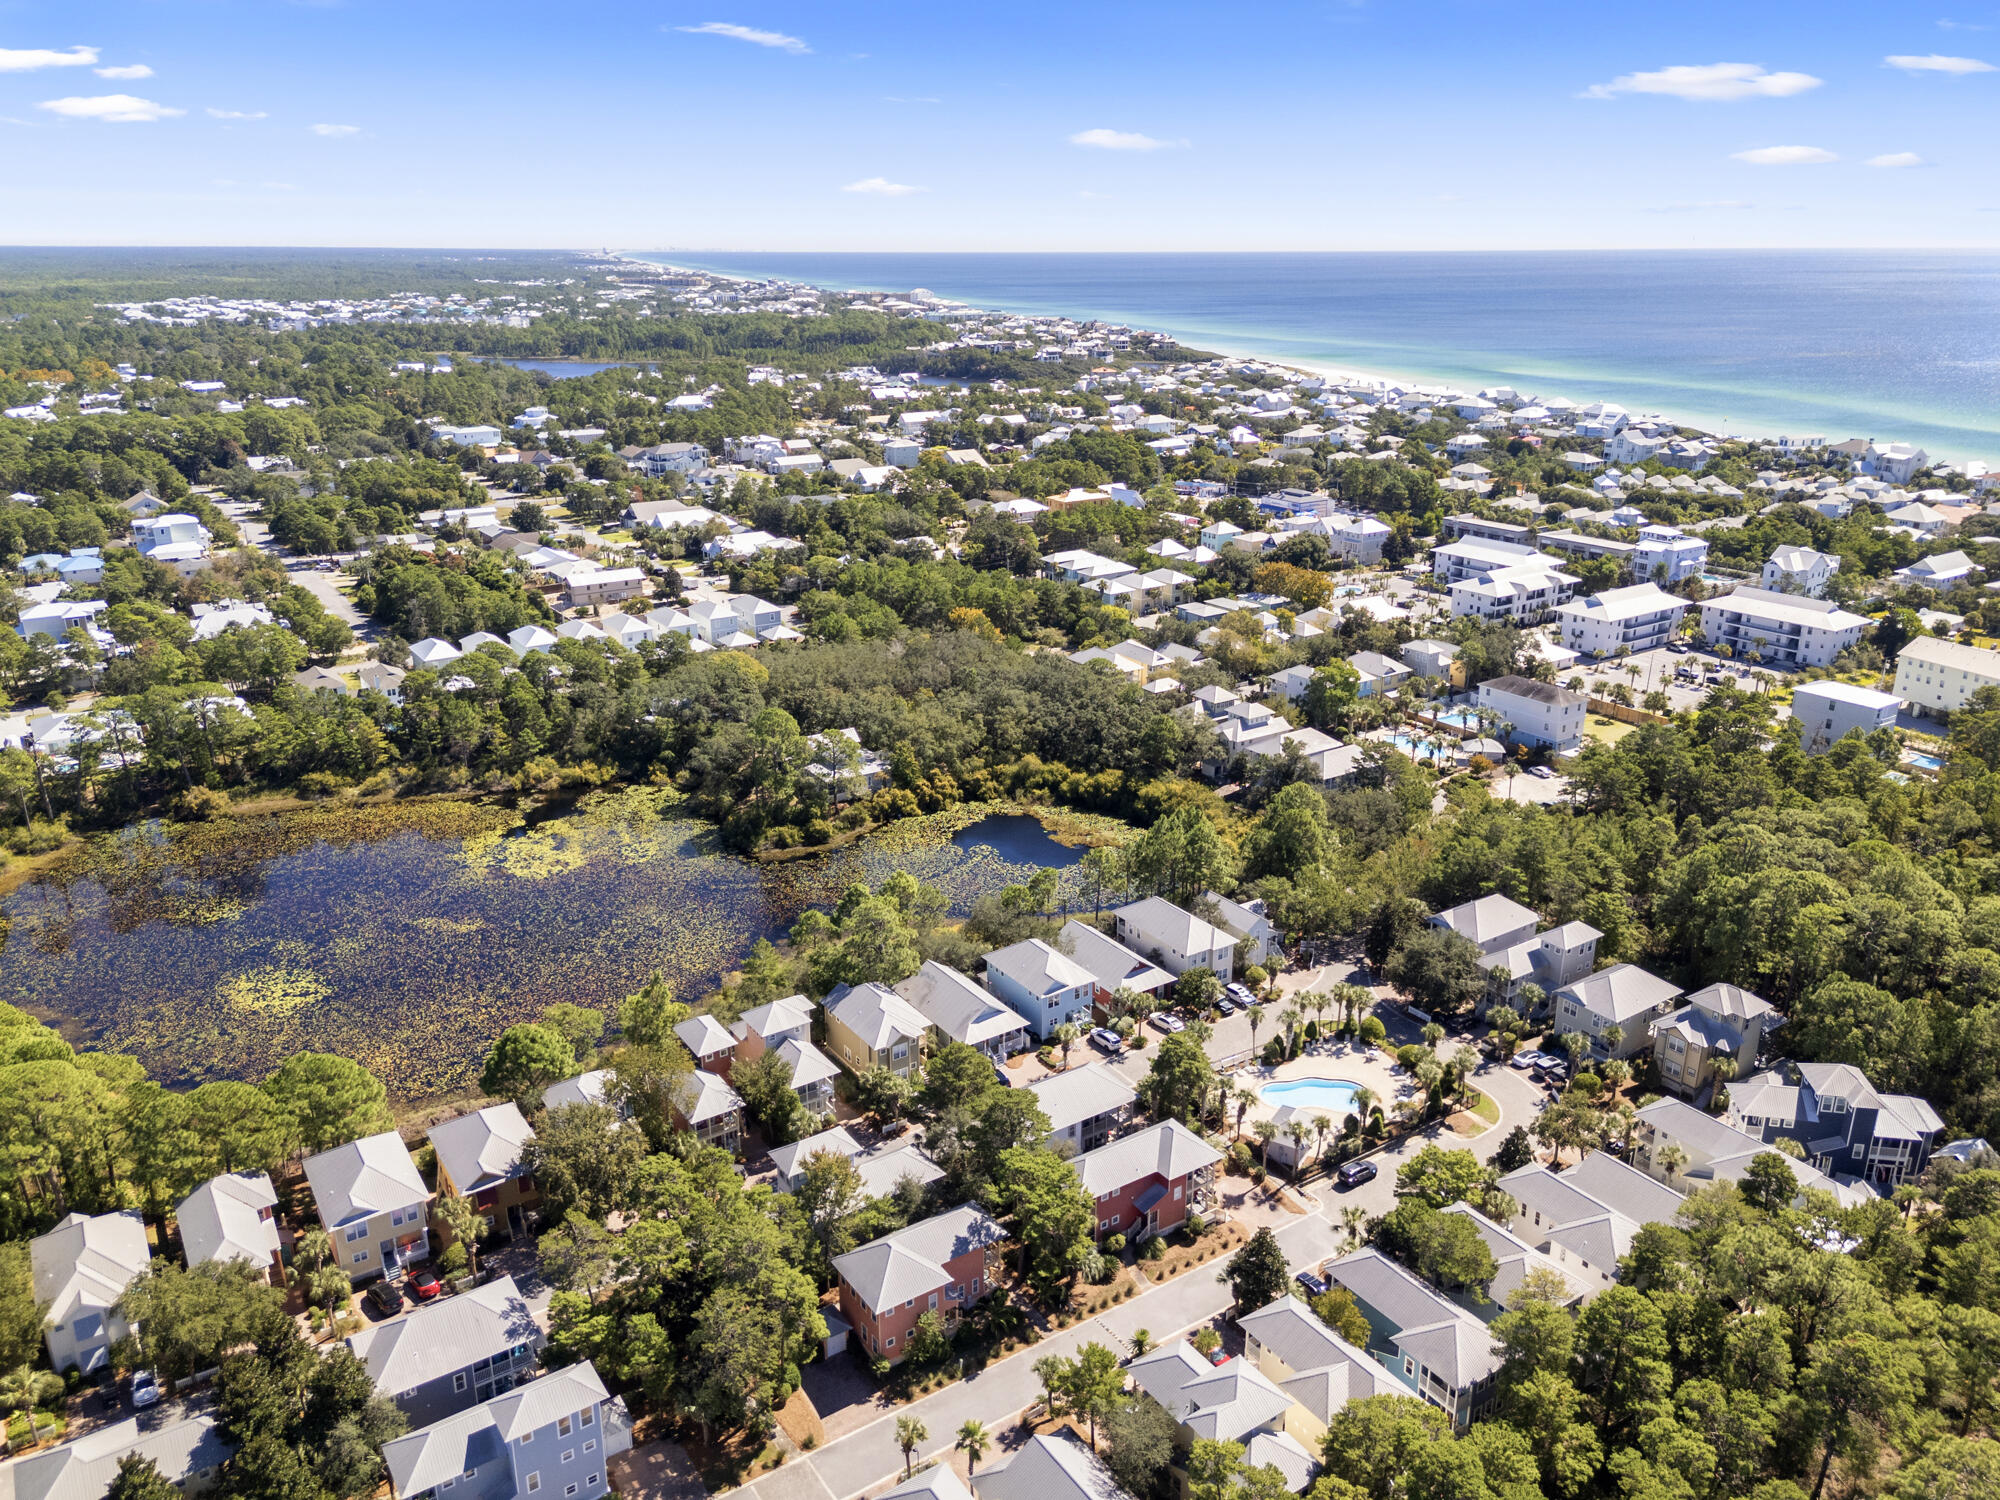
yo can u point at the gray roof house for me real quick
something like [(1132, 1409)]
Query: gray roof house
[(1717, 1151), (1044, 984), (232, 1217), (593, 1087), (1314, 1365), (1048, 1468), (1715, 1022), (81, 1269), (453, 1353), (1109, 962), (1231, 1403), (881, 1166), (711, 1043), (1513, 1259), (188, 1454), (1625, 996), (480, 1150), (1844, 1124), (1085, 1105), (1505, 933), (1584, 1218), (870, 1025), (1438, 1350), (373, 1202), (548, 1438), (938, 1482), (1174, 939), (960, 1011)]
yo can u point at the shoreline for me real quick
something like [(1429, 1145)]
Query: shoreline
[(1704, 426)]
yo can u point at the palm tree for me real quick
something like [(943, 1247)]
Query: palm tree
[(1463, 1061), (1256, 1020), (1297, 1132), (1290, 1018), (1364, 1103), (1672, 1157), (1432, 1034), (1242, 1098), (975, 1440), (1266, 1131), (1353, 1218), (1322, 1128), (1065, 1037), (1142, 1341), (909, 1433)]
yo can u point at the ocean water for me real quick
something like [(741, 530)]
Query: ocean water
[(1893, 345)]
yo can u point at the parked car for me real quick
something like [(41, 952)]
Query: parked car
[(1104, 1039), (145, 1388), (1001, 1074), (387, 1297), (1168, 1023), (1523, 1060), (1225, 1007), (1543, 772), (424, 1286), (1678, 648), (1217, 1357), (1355, 1173), (1241, 994), (1310, 1280)]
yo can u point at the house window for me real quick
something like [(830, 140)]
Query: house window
[(569, 1455), (534, 1481), (562, 1426), (458, 1381), (591, 1446), (589, 1417), (357, 1232), (569, 1489), (889, 1342), (593, 1481)]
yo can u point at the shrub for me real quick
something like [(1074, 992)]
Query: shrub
[(1114, 1244), (1373, 1031), (1138, 1041), (811, 1442), (453, 1261), (1239, 1157), (1197, 1226), (1153, 1249), (197, 805)]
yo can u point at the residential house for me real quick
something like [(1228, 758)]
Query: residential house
[(1939, 677), (785, 1027), (381, 677), (1940, 571), (1514, 1261), (1231, 1403), (187, 1451), (1845, 1125), (1437, 660), (1176, 940), (1637, 618), (1625, 997), (709, 1042), (1052, 1467), (1149, 1182), (1720, 1021), (479, 1157), (81, 1268), (1537, 714), (1585, 1218), (1438, 1350), (848, 769), (1286, 1342), (705, 1104), (1380, 675), (233, 1217), (1043, 984), (1113, 967), (942, 1264), (1714, 1150), (1513, 953), (453, 1353), (1085, 1106), (592, 1088), (881, 1166), (1827, 712), (960, 1011), (1783, 629), (549, 1439), (1258, 941), (1666, 554), (1524, 594), (1793, 569), (604, 586), (938, 1482), (871, 1026), (373, 1203)]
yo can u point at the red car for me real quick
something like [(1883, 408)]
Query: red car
[(424, 1286)]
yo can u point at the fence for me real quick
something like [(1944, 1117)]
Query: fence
[(1623, 714)]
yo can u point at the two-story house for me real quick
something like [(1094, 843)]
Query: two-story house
[(547, 1440), (1514, 954), (1258, 940), (1677, 1143), (479, 1157), (705, 1103), (233, 1217), (451, 1354), (1438, 1350), (81, 1268), (1845, 1125), (1585, 1217), (188, 1452), (944, 1264), (373, 1203), (881, 1167), (1231, 1403), (1286, 1342), (711, 1044), (960, 1011), (1085, 1106), (1111, 965), (871, 1026), (1174, 939), (1048, 1467), (1623, 996), (785, 1027), (1149, 1182), (1043, 984), (1719, 1021)]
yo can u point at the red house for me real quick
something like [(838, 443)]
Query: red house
[(1149, 1183), (940, 1266)]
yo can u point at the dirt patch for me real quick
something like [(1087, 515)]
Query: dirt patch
[(800, 1419)]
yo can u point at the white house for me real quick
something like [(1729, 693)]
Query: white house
[(1938, 572), (149, 535), (1895, 462), (1176, 940), (81, 1268), (1524, 594), (232, 1217), (1538, 714), (1636, 618), (1799, 570), (1827, 712), (1623, 995), (1666, 554), (1939, 677)]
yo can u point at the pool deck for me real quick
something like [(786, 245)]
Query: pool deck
[(1346, 1062)]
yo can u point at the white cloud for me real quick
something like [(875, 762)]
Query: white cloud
[(27, 59), (1933, 63), (235, 114), (334, 130), (1897, 159), (881, 187), (1120, 140), (1784, 156), (749, 34), (128, 71), (1707, 83), (113, 109)]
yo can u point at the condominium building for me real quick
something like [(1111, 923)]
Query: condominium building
[(1940, 677), (1637, 618), (1780, 628), (1538, 714), (1827, 712)]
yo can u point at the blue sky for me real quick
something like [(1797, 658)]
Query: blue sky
[(762, 124)]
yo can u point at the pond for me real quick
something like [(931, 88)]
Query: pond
[(408, 937), (572, 369)]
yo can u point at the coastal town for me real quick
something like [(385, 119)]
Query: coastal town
[(1517, 1016)]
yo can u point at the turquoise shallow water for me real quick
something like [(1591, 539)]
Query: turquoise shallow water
[(1895, 345)]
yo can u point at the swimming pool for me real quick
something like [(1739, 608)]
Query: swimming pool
[(1414, 748), (1923, 761), (1458, 718), (1333, 1094)]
